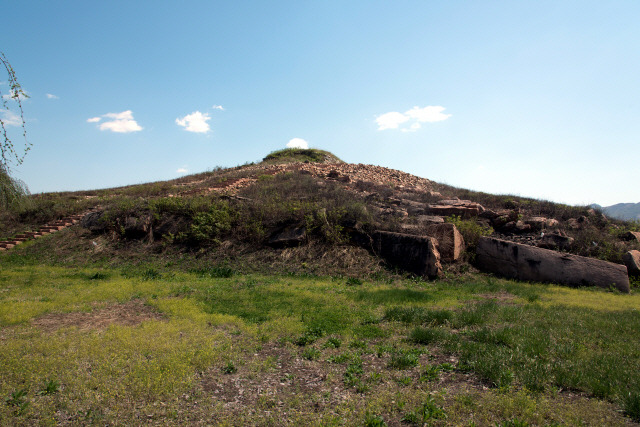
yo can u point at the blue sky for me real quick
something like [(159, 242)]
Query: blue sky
[(536, 98)]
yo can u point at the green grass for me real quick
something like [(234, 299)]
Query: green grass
[(318, 349)]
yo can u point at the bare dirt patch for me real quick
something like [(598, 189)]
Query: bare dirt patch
[(131, 313), (503, 297)]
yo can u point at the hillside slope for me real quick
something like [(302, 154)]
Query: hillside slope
[(623, 211), (305, 210)]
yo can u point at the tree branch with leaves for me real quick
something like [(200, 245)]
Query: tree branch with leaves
[(11, 114), (14, 98)]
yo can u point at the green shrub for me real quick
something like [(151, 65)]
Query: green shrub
[(229, 368), (12, 191), (631, 404), (428, 411), (471, 230), (404, 359)]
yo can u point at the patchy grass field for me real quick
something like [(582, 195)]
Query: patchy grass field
[(211, 347)]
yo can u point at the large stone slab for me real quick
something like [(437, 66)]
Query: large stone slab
[(528, 263), (415, 254), (450, 241), (632, 261), (462, 208)]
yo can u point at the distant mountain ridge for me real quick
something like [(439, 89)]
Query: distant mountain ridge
[(626, 211)]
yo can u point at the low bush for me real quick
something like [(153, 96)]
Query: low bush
[(471, 230)]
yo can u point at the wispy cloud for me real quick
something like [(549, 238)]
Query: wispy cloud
[(195, 122), (415, 116), (218, 107), (182, 171), (117, 122), (10, 119), (297, 143), (51, 96)]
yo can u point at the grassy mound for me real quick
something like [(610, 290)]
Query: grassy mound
[(311, 155)]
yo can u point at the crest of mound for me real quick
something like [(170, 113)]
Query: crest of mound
[(304, 155)]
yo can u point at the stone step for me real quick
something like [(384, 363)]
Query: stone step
[(48, 230)]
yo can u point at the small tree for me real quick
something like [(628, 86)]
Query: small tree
[(11, 189)]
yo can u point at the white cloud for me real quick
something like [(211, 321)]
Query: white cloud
[(218, 107), (195, 122), (182, 170), (120, 122), (391, 120), (10, 119), (430, 114), (51, 96), (416, 115), (297, 143)]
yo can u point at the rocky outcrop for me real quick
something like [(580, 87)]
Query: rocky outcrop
[(555, 241), (93, 222), (450, 241), (462, 208), (528, 263), (539, 223), (633, 236), (632, 261), (415, 254), (430, 219), (134, 227)]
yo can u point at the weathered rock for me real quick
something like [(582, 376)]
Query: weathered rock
[(415, 254), (410, 228), (516, 227), (413, 207), (504, 217), (489, 214), (539, 223), (555, 241), (631, 236), (577, 223), (93, 222), (450, 241), (430, 219), (137, 227), (287, 237), (462, 208), (632, 261), (528, 263)]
